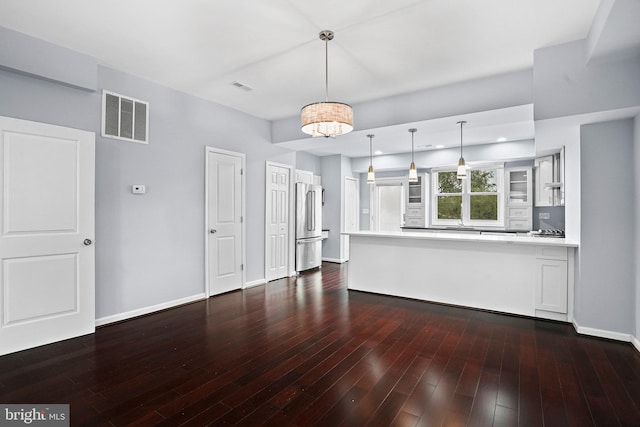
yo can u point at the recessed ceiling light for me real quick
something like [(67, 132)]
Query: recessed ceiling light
[(501, 139), (378, 152), (439, 146)]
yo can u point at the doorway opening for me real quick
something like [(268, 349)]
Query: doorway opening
[(387, 204)]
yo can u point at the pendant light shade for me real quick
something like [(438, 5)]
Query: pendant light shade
[(462, 167), (371, 176), (413, 173), (326, 118)]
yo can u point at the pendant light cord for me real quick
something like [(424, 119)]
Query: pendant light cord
[(326, 68), (461, 123), (412, 132)]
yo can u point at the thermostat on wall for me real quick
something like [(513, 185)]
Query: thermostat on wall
[(138, 189)]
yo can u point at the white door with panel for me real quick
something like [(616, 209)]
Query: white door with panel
[(277, 221), (224, 222), (47, 277)]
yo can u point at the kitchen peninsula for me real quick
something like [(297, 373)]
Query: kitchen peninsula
[(531, 276)]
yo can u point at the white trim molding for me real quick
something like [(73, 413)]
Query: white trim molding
[(635, 342), (601, 333), (150, 309), (255, 283), (335, 260)]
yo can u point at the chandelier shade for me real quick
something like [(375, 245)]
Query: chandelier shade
[(327, 119)]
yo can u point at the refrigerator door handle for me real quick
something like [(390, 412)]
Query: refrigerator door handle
[(308, 240), (308, 210), (313, 210)]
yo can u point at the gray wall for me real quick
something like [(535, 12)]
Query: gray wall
[(334, 169), (565, 86), (34, 57), (331, 182), (605, 298), (308, 162), (150, 249)]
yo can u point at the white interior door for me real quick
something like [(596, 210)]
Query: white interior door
[(277, 222), (350, 210), (224, 221), (389, 207), (47, 275)]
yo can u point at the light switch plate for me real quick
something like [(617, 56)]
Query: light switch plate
[(138, 189), (543, 215)]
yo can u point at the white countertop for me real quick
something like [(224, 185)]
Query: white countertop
[(466, 237)]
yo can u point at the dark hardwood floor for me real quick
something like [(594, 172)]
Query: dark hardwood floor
[(306, 352)]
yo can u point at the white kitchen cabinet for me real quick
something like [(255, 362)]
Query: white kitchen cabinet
[(417, 202), (549, 180), (544, 176), (305, 177), (552, 281), (518, 186)]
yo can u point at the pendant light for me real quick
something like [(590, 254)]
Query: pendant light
[(326, 118), (462, 167), (413, 173), (371, 176)]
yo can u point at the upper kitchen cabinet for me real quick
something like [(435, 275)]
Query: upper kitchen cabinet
[(519, 198), (305, 177), (417, 202), (549, 180)]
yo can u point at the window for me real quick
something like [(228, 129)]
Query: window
[(448, 203), (475, 201)]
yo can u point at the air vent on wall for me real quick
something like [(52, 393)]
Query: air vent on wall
[(125, 118), (242, 86)]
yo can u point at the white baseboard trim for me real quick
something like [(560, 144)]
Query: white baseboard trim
[(146, 310), (635, 342), (336, 260), (253, 283), (601, 333)]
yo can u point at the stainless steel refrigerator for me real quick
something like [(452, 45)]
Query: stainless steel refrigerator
[(308, 226)]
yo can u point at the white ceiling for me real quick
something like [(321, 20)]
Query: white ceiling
[(381, 48)]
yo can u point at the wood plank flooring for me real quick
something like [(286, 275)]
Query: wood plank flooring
[(307, 352)]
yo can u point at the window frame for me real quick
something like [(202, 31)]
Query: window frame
[(466, 197)]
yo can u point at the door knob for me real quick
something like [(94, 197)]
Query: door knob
[(213, 231), (87, 242)]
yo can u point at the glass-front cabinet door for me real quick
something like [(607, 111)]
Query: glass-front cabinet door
[(519, 186), (519, 194), (415, 192)]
